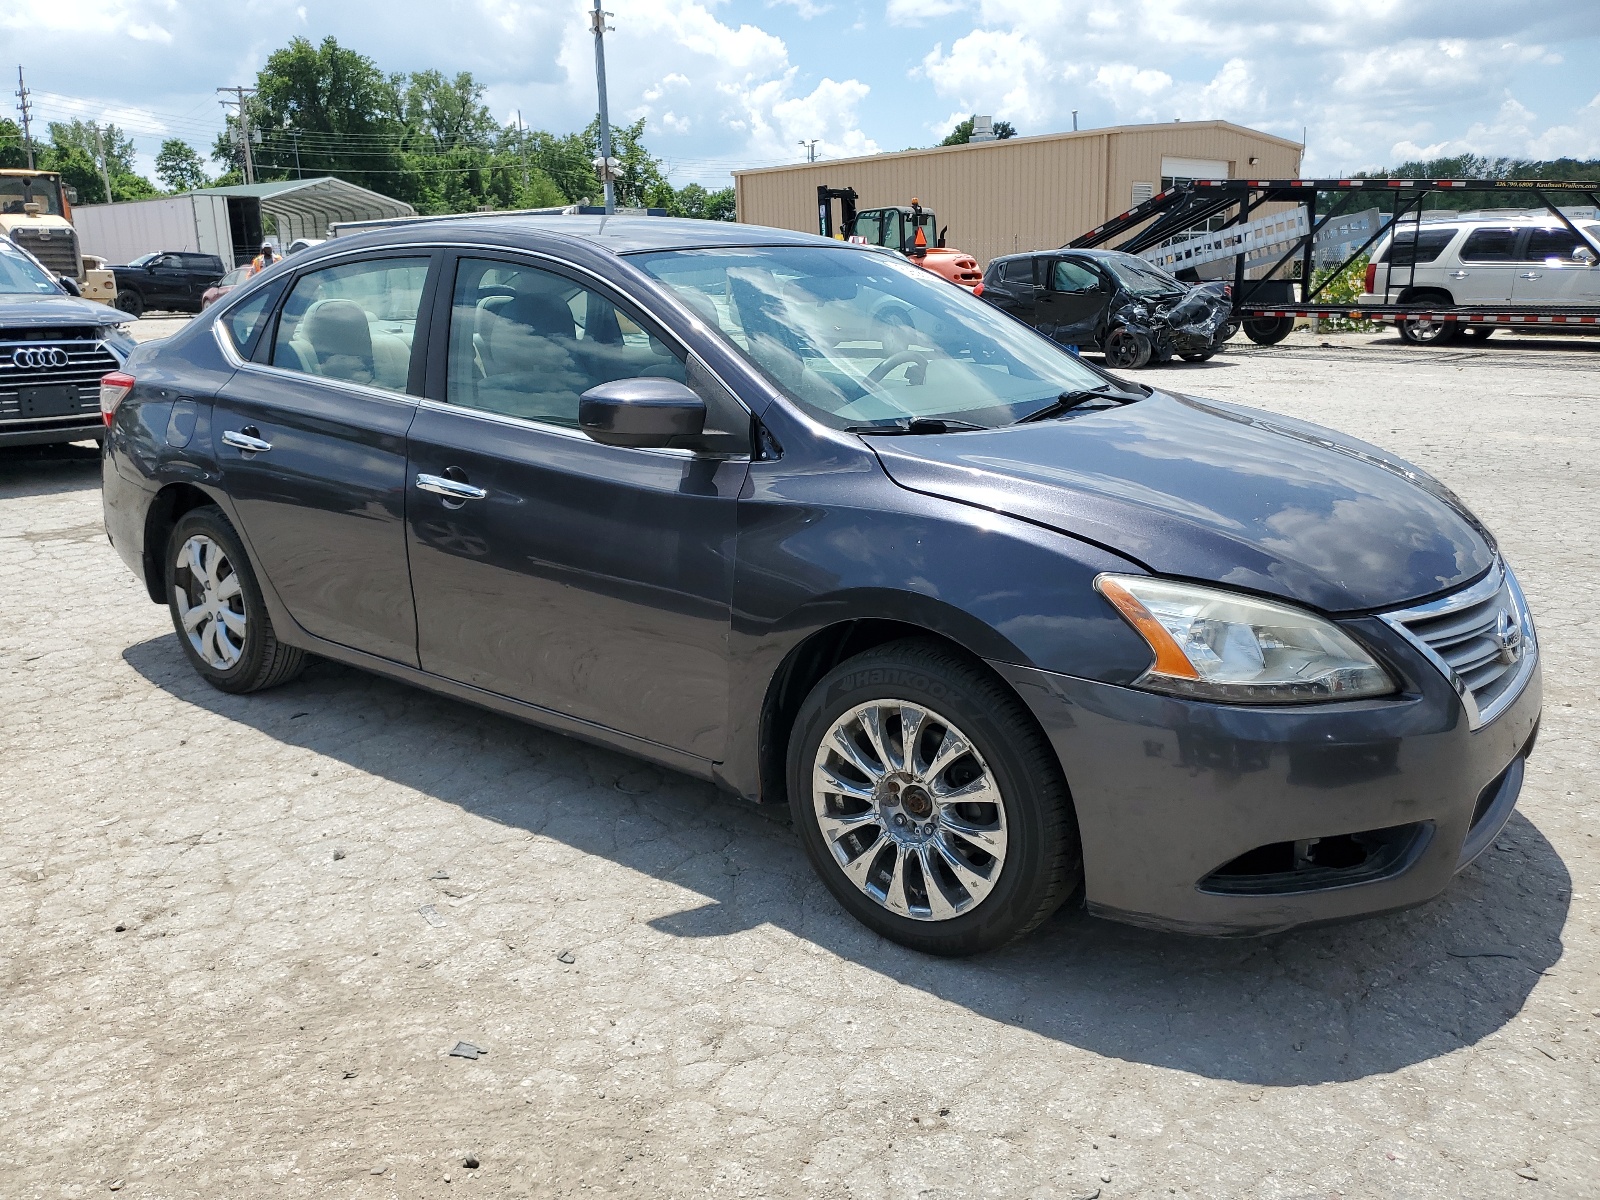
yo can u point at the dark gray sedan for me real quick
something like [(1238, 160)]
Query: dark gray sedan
[(1004, 631)]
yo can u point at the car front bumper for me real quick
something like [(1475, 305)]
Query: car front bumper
[(1170, 791), (48, 431)]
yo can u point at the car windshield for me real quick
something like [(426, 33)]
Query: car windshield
[(862, 338), (1139, 277), (21, 276)]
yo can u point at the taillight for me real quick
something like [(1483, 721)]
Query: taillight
[(113, 388), (1371, 284), (977, 288)]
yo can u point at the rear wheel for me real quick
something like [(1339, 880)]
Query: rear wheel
[(1268, 331), (130, 302), (929, 802), (1428, 333), (1198, 355), (217, 609), (1126, 350)]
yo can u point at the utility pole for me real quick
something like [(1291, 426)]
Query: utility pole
[(810, 148), (105, 170), (522, 149), (241, 95), (26, 108), (605, 165), (295, 134)]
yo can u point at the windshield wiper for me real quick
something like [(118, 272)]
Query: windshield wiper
[(919, 425), (1069, 400)]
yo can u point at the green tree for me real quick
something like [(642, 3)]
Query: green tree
[(962, 133), (180, 166), (640, 172), (74, 152), (13, 152)]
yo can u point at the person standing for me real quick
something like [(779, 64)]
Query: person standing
[(263, 260)]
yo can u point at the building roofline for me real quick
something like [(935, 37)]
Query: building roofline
[(1101, 131)]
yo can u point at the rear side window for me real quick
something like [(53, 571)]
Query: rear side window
[(1558, 243), (1073, 277), (354, 322), (1017, 270), (1411, 246), (1490, 245)]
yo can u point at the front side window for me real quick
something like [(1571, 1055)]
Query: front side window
[(1490, 245), (1073, 277), (859, 338), (526, 342), (1558, 243), (353, 322), (869, 227)]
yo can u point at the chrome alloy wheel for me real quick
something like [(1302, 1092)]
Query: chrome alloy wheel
[(210, 602), (910, 810)]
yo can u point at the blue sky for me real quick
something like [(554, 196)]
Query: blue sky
[(740, 82)]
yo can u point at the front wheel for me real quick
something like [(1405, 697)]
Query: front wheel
[(1198, 355), (217, 609), (929, 801), (130, 302), (1478, 333), (1268, 331), (1126, 350)]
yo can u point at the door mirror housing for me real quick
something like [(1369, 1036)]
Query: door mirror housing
[(1584, 255), (642, 413)]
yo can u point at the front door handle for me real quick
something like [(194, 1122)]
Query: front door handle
[(1531, 275), (454, 489), (247, 439), (1459, 274)]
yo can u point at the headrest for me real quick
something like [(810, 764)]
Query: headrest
[(338, 327)]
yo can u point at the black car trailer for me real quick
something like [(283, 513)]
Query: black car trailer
[(1267, 308)]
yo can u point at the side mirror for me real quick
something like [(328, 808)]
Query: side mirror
[(1584, 255), (70, 285), (643, 413)]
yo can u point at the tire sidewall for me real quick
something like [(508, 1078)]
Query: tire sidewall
[(211, 522), (1030, 854)]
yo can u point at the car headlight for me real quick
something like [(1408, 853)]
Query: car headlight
[(1216, 645)]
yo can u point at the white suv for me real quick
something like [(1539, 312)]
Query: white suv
[(1484, 262)]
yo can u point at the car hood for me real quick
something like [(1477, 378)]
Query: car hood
[(37, 311), (1216, 492)]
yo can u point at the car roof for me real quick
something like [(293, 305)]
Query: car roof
[(617, 234)]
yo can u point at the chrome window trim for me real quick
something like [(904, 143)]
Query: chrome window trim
[(1486, 588), (570, 431)]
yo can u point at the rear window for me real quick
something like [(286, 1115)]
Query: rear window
[(1490, 245), (1412, 246)]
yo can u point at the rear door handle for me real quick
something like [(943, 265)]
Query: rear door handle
[(1531, 275), (453, 488), (246, 439), (1459, 274)]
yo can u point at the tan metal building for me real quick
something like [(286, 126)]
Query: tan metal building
[(1026, 193)]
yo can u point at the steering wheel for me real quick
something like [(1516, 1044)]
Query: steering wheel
[(897, 360)]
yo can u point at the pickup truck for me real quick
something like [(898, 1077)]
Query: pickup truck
[(172, 279)]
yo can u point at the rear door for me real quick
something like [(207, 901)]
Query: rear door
[(310, 435), (1010, 288), (595, 581), (1071, 302), (1486, 272), (1552, 273)]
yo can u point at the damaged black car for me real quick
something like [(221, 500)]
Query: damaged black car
[(1116, 303)]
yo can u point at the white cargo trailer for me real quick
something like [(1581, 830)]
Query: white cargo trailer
[(196, 222)]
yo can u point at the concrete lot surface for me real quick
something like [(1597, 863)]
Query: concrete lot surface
[(240, 936)]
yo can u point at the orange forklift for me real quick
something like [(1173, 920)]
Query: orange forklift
[(910, 229)]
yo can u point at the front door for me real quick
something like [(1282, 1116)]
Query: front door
[(1070, 306), (1552, 273), (591, 580), (312, 448), (169, 283)]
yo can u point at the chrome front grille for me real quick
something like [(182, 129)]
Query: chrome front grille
[(27, 363), (1481, 638), (55, 247)]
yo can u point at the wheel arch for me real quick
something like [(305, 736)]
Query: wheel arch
[(1427, 295), (166, 509), (813, 657)]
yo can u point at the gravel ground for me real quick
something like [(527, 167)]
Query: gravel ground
[(239, 936)]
